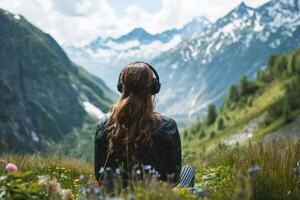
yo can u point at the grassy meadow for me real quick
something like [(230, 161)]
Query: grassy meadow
[(255, 171)]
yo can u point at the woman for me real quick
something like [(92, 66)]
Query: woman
[(132, 133)]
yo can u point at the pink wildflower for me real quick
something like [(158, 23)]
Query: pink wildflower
[(10, 167)]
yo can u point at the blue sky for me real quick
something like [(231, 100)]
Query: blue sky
[(80, 21)]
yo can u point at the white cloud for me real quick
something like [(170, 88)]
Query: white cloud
[(79, 21)]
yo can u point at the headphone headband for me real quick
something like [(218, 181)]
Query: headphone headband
[(155, 87), (153, 70)]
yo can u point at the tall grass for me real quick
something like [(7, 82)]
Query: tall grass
[(276, 179), (43, 162), (277, 160), (226, 172)]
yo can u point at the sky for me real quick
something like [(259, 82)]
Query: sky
[(80, 21)]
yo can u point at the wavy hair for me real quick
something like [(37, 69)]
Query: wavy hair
[(133, 116)]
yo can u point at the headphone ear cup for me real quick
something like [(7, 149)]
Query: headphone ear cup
[(119, 86), (155, 88)]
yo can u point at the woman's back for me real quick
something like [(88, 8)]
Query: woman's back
[(164, 154)]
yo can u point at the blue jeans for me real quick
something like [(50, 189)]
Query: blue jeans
[(187, 177)]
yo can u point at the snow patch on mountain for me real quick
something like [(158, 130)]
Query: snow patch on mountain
[(275, 43), (34, 136), (17, 17), (92, 110)]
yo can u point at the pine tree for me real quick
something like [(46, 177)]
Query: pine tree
[(234, 94), (221, 125), (212, 134), (244, 84), (287, 112), (282, 65), (211, 114), (202, 134)]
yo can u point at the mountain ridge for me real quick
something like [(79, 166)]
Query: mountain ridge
[(235, 45), (43, 93), (114, 53)]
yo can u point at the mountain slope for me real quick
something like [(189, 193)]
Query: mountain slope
[(255, 109), (200, 70), (43, 94), (198, 67), (106, 56)]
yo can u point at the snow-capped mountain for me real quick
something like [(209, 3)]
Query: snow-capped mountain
[(198, 62), (198, 71), (106, 56)]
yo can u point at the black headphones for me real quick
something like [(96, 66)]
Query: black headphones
[(155, 86)]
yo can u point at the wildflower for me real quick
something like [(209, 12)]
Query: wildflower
[(42, 180), (252, 172), (118, 171), (156, 175), (147, 169), (152, 172), (108, 179), (95, 191), (200, 192), (101, 170), (76, 181), (67, 194), (82, 178), (10, 167), (138, 172), (62, 175)]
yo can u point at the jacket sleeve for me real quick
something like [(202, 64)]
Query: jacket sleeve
[(100, 154), (174, 151)]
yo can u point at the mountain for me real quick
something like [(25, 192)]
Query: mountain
[(196, 69), (199, 70), (264, 109), (44, 96), (106, 56)]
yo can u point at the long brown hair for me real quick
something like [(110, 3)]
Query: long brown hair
[(132, 117)]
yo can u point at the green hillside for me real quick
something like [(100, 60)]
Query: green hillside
[(253, 108), (42, 91)]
